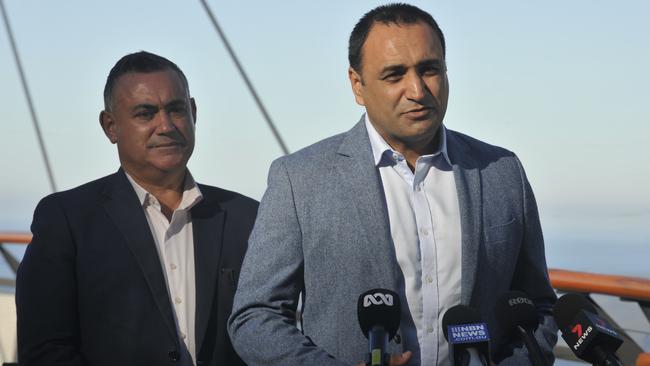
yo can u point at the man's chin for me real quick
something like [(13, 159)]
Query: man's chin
[(422, 130), (170, 164)]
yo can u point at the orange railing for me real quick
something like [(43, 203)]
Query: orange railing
[(15, 238), (643, 359), (626, 287)]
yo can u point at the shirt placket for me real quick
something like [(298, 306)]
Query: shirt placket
[(177, 270), (429, 333)]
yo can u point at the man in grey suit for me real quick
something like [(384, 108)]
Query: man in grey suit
[(398, 202)]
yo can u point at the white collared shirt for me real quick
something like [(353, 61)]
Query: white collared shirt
[(175, 245), (424, 220)]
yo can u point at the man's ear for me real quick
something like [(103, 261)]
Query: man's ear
[(108, 125), (193, 106), (357, 85)]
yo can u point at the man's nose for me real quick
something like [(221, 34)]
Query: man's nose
[(415, 87), (165, 123)]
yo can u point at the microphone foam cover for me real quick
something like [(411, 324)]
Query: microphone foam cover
[(379, 307), (515, 308), (568, 306), (457, 315)]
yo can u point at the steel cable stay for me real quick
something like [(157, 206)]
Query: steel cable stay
[(244, 76), (28, 96)]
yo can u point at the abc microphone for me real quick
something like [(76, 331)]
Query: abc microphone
[(379, 316), (589, 336), (467, 335), (515, 312)]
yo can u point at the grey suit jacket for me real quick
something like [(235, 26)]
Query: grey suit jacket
[(322, 228)]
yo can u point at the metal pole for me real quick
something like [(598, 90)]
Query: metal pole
[(258, 101), (28, 96), (11, 261)]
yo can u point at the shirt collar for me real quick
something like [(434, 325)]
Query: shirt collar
[(191, 193), (380, 146)]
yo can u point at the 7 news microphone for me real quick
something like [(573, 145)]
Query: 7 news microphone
[(516, 313), (467, 335), (589, 336), (379, 316)]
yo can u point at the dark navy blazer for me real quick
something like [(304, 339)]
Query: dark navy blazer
[(91, 289)]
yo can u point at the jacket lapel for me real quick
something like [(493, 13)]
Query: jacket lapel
[(360, 175), (123, 208), (207, 224), (468, 185)]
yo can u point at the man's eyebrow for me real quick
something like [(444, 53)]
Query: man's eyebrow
[(176, 103), (392, 68), (430, 62), (144, 106)]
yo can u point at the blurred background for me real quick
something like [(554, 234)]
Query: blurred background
[(564, 84)]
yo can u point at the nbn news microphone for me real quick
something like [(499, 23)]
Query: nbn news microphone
[(379, 316), (467, 335)]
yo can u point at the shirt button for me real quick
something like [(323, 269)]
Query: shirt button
[(418, 188), (172, 266), (429, 279), (430, 330), (425, 232), (178, 300), (183, 335)]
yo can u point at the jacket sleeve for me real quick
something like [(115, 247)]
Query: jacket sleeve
[(46, 292), (531, 277), (263, 322)]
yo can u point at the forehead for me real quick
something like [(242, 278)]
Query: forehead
[(152, 86), (401, 43)]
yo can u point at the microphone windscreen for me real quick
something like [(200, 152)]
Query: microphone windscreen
[(459, 314), (515, 308), (568, 306), (379, 307)]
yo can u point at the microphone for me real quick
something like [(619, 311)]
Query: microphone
[(379, 315), (589, 336), (515, 312), (467, 335)]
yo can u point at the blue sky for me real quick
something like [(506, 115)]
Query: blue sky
[(564, 84)]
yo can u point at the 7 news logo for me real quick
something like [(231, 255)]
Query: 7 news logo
[(581, 335), (577, 330)]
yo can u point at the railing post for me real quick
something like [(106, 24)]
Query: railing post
[(11, 260)]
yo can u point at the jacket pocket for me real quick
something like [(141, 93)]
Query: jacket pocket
[(228, 277), (507, 231)]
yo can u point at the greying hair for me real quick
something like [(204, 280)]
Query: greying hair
[(142, 62)]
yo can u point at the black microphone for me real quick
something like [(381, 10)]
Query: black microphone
[(467, 335), (379, 315), (515, 312), (589, 336)]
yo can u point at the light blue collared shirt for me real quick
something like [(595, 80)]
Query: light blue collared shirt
[(424, 221)]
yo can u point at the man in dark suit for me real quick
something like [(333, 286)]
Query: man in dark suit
[(139, 267)]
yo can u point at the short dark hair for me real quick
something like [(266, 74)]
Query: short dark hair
[(142, 62), (397, 13)]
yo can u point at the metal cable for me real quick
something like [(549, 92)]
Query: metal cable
[(258, 101), (28, 96), (11, 261)]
